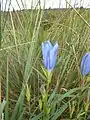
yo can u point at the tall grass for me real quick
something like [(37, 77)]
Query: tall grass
[(21, 60)]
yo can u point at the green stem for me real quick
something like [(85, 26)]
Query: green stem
[(29, 108), (6, 108), (0, 90), (49, 79)]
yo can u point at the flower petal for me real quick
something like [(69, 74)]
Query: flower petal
[(46, 47), (85, 64), (47, 44), (49, 53), (53, 56)]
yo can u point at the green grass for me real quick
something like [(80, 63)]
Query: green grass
[(21, 60)]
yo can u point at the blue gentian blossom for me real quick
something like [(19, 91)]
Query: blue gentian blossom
[(49, 53), (85, 64)]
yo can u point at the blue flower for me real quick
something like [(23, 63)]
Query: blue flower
[(49, 53), (85, 64)]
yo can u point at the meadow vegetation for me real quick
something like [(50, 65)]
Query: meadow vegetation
[(21, 74)]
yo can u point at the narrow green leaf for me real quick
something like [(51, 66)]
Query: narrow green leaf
[(40, 104), (7, 86), (67, 94), (2, 105), (28, 95), (19, 105), (44, 71), (37, 117), (59, 112)]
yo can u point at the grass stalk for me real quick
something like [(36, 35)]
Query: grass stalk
[(7, 95)]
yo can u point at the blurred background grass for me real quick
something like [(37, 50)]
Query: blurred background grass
[(21, 59)]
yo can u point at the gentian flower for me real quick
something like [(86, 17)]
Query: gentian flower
[(85, 64), (49, 53)]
